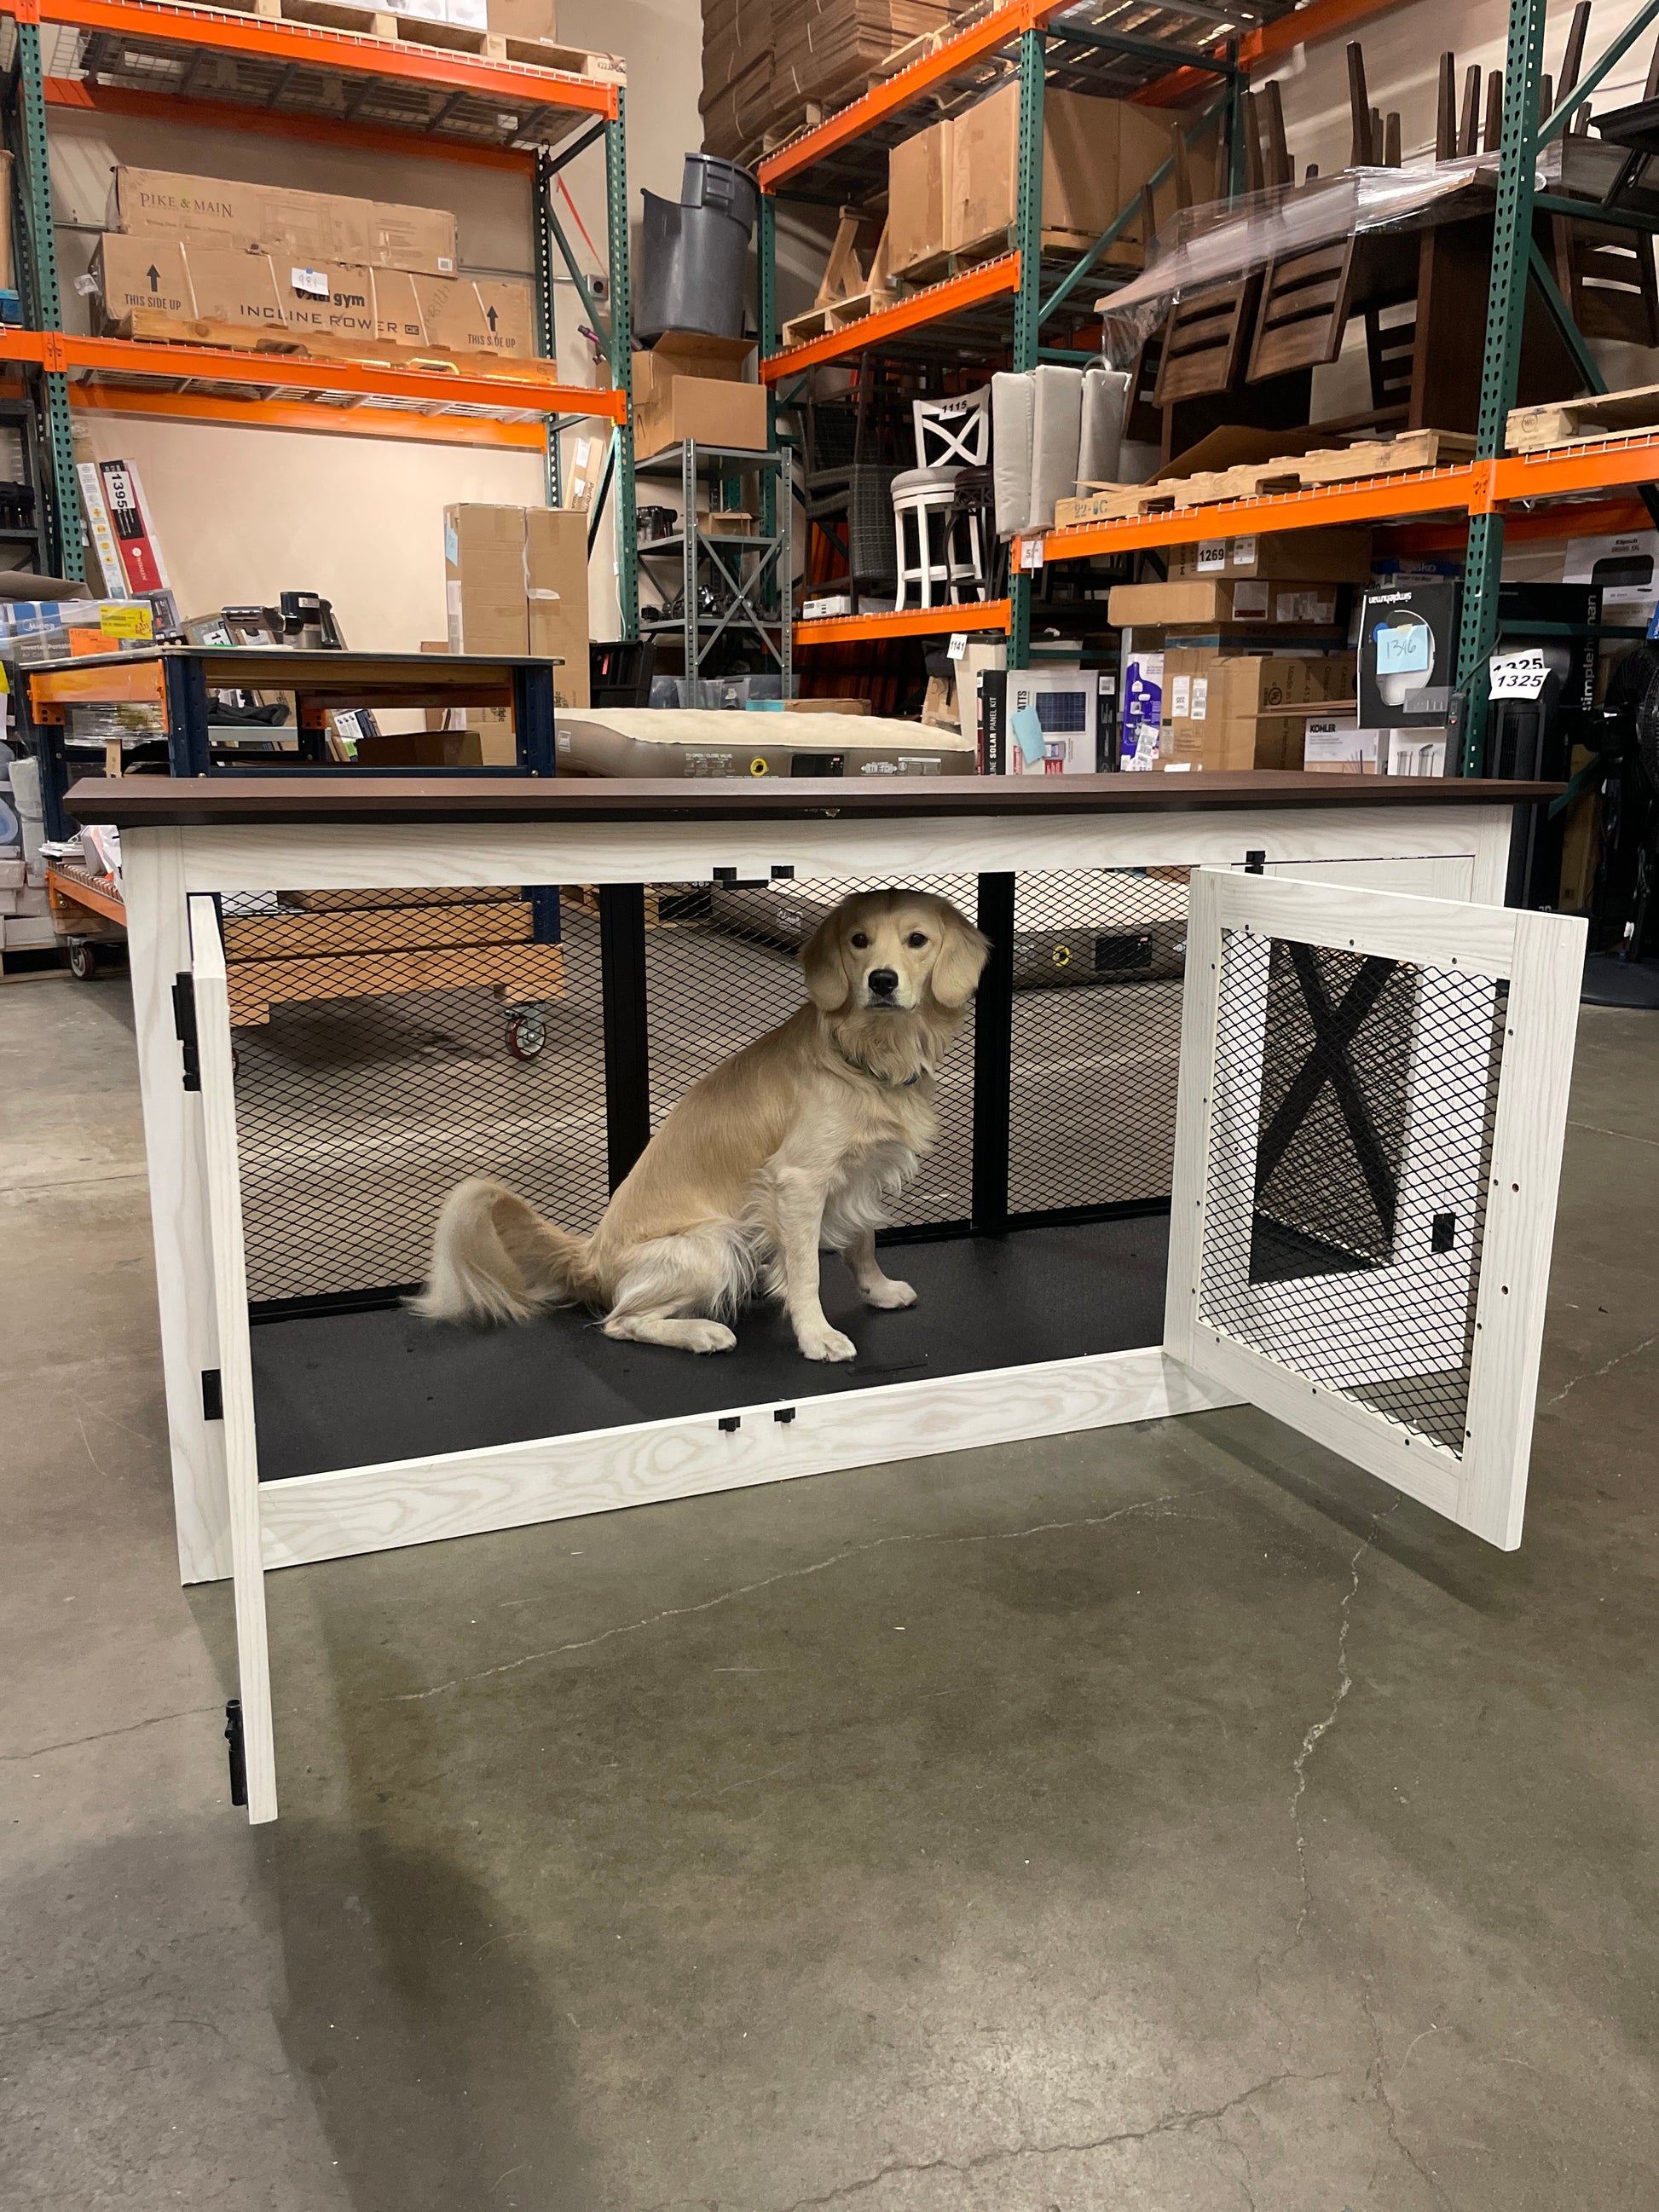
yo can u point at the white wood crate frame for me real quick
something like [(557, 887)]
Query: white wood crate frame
[(1321, 863), (1454, 851)]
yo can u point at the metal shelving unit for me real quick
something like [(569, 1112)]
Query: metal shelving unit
[(750, 573), (1011, 307), (1481, 495), (966, 316), (454, 96)]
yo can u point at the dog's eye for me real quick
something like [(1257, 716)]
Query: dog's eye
[(860, 943), (916, 940)]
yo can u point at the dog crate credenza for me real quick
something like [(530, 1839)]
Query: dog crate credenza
[(1343, 1217)]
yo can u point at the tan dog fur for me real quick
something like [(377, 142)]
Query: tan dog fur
[(793, 1144)]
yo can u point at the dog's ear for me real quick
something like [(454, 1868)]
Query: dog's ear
[(826, 972), (961, 955)]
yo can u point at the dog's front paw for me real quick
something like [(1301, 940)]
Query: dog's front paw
[(825, 1343), (708, 1336), (888, 1295)]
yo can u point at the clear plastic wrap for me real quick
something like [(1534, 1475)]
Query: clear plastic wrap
[(1210, 244)]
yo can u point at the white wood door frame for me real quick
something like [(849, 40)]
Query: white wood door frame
[(1461, 850), (1540, 956), (235, 1368)]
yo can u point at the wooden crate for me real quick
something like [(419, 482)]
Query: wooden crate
[(514, 971), (1571, 421), (333, 902), (372, 944), (836, 315)]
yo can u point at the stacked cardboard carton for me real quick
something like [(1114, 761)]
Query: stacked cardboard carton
[(765, 61), (954, 187), (228, 263), (1231, 699), (1237, 711)]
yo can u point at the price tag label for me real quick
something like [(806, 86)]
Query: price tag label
[(310, 283), (958, 645), (1212, 556), (1030, 553), (1518, 675)]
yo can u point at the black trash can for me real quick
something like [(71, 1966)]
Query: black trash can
[(694, 263)]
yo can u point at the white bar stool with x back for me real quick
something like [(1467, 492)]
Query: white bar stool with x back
[(952, 436)]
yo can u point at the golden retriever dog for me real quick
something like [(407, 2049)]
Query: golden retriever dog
[(793, 1144)]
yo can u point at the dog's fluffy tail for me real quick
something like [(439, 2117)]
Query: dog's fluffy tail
[(494, 1258)]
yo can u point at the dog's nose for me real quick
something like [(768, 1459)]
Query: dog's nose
[(884, 982)]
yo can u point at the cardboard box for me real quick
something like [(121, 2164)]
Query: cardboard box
[(837, 705), (1317, 557), (522, 19), (275, 220), (555, 590), (1408, 655), (1246, 710), (158, 288), (482, 315), (918, 197), (1096, 154), (515, 582), (1197, 600), (484, 600), (1340, 747), (688, 386)]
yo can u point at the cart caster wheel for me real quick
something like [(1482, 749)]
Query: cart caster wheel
[(83, 962), (527, 1035)]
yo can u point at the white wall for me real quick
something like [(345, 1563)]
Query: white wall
[(243, 514)]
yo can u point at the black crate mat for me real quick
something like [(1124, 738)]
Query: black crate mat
[(353, 1389)]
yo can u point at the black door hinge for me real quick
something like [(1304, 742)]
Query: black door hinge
[(213, 1396), (1255, 864), (184, 1020), (238, 1752)]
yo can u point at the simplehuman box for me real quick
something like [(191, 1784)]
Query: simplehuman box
[(1196, 600), (275, 220), (689, 386), (1315, 557), (1096, 154), (919, 197)]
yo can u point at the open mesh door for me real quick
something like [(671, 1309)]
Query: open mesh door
[(1373, 1095)]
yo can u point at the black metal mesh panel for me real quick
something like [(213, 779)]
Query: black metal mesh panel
[(1350, 1153), (1099, 958), (390, 1042), (376, 1036), (721, 969)]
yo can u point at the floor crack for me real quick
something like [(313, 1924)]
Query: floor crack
[(1319, 1729), (766, 1582), (1172, 2123), (1607, 1367), (99, 1736)]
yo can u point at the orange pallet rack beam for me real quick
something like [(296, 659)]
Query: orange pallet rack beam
[(302, 46), (989, 281), (912, 622), (525, 397)]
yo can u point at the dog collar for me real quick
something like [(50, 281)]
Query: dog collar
[(886, 1082)]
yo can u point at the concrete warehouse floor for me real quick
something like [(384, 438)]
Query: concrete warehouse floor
[(1159, 1819)]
